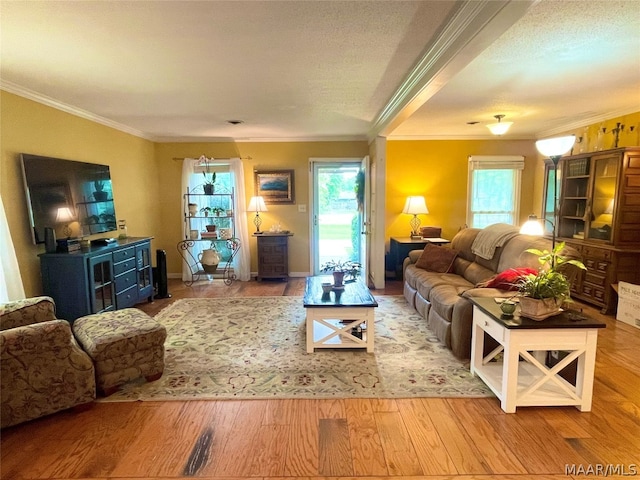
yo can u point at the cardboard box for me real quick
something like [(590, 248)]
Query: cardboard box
[(629, 304)]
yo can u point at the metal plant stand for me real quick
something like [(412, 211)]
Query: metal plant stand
[(185, 249)]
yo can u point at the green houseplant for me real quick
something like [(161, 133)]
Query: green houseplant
[(99, 195), (542, 294), (209, 181), (341, 269)]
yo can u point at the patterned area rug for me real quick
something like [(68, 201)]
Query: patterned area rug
[(255, 348)]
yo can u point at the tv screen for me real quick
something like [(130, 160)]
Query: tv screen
[(74, 198)]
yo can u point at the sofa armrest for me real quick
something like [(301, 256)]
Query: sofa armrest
[(26, 312), (36, 339), (412, 258)]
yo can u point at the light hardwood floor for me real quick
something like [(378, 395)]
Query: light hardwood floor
[(435, 437)]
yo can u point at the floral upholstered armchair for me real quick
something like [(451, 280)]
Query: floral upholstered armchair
[(42, 368)]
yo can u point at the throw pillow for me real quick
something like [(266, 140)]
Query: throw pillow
[(507, 280), (436, 259)]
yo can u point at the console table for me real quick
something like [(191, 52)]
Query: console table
[(531, 382), (399, 248), (99, 278)]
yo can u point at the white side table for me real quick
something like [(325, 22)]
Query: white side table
[(516, 370)]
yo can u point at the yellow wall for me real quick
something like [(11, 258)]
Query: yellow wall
[(146, 177), (30, 127), (256, 156), (438, 170)]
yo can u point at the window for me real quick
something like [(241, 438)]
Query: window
[(494, 189)]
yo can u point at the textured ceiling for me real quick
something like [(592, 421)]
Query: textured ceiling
[(179, 70)]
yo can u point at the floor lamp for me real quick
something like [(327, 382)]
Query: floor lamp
[(553, 148)]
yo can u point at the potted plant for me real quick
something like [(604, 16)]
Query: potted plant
[(209, 181), (341, 269), (100, 195), (542, 294), (217, 211), (193, 209), (206, 211)]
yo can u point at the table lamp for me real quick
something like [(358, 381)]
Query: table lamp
[(65, 216), (415, 206), (256, 204)]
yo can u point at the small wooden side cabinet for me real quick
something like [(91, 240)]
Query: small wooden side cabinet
[(273, 255)]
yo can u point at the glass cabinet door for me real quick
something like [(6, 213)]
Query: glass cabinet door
[(101, 277), (605, 175), (575, 196)]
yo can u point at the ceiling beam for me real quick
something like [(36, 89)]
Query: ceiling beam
[(473, 27)]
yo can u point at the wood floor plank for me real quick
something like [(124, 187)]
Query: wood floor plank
[(563, 421), (146, 440), (623, 381), (400, 455), (498, 457), (526, 431), (334, 448), (460, 448), (429, 447), (302, 454), (220, 422), (269, 454), (236, 457), (331, 408), (366, 448), (162, 446)]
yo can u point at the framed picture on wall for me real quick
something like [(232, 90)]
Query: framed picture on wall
[(275, 186)]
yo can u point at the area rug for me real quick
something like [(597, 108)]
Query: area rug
[(255, 348)]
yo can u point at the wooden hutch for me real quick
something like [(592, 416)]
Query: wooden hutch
[(599, 215)]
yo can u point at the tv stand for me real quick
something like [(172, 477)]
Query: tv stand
[(100, 278)]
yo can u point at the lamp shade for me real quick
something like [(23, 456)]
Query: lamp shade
[(64, 215), (415, 206), (499, 128), (532, 226), (256, 204), (555, 147)]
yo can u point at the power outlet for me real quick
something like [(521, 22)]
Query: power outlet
[(302, 208)]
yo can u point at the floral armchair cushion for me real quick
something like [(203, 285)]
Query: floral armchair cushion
[(42, 368)]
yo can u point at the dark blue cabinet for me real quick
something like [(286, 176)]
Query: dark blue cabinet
[(98, 279)]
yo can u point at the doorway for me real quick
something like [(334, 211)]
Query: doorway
[(336, 219)]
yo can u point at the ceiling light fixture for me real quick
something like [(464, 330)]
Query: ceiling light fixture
[(499, 128), (235, 122)]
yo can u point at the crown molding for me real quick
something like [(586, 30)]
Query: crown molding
[(499, 138), (58, 105), (585, 122), (346, 138)]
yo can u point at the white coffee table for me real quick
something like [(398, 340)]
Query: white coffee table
[(342, 318)]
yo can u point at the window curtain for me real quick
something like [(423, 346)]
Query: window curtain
[(10, 279), (191, 166)]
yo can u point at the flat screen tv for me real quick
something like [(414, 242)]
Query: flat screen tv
[(53, 184)]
